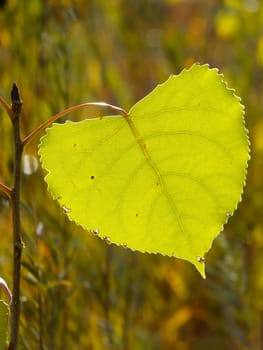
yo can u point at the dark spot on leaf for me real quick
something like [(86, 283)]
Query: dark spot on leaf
[(136, 214), (92, 177), (75, 145), (157, 184)]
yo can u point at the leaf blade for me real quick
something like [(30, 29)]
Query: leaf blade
[(131, 171)]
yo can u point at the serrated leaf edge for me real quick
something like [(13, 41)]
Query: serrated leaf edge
[(201, 262)]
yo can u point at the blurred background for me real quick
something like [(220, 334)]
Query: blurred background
[(77, 291)]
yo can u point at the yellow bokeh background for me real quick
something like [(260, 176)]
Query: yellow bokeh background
[(77, 291)]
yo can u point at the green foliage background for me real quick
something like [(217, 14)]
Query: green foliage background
[(77, 291)]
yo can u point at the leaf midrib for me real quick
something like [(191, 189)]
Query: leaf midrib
[(149, 159)]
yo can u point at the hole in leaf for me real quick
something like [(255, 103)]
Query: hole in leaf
[(66, 209), (200, 259), (107, 240)]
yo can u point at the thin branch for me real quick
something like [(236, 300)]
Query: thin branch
[(6, 106), (6, 190), (15, 201), (52, 119)]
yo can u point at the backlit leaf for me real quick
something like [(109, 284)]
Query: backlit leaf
[(163, 179)]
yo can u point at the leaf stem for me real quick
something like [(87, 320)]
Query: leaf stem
[(15, 201), (6, 190), (52, 119)]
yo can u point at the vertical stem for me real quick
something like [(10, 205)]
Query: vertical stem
[(15, 200)]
